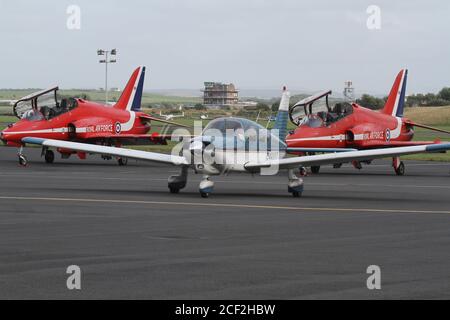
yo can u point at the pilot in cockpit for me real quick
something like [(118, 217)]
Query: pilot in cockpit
[(61, 107)]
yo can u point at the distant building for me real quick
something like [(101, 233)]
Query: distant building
[(219, 94)]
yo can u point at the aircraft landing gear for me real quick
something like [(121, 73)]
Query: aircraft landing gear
[(337, 165), (399, 166), (295, 185), (357, 165), (303, 172), (122, 161), (22, 159), (315, 169), (206, 187), (176, 183), (49, 156)]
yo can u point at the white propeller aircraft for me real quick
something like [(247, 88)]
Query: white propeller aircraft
[(239, 145), (171, 116)]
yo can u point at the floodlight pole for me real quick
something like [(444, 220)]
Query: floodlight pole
[(106, 78), (107, 61)]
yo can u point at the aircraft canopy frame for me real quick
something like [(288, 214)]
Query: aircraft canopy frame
[(30, 102), (307, 105)]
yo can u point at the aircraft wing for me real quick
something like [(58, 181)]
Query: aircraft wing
[(139, 139), (332, 158), (318, 150), (112, 151), (382, 144), (154, 138)]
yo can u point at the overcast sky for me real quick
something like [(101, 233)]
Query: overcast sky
[(256, 44)]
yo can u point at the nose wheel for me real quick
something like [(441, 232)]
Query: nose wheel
[(295, 185), (23, 160), (206, 187)]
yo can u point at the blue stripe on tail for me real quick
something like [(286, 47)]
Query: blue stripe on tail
[(401, 102), (136, 106)]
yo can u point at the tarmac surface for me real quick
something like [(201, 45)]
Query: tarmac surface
[(132, 239)]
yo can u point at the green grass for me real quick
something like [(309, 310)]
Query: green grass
[(427, 135), (98, 95)]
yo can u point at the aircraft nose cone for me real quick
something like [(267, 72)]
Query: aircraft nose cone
[(3, 136)]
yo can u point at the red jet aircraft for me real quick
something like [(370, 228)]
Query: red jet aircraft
[(348, 126), (42, 115)]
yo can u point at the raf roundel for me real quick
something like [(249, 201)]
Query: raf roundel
[(388, 135), (118, 127)]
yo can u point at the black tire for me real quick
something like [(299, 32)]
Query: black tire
[(122, 161), (23, 160), (49, 156), (204, 194), (174, 190), (400, 171), (296, 194), (315, 169)]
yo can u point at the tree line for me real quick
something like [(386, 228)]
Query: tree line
[(442, 98)]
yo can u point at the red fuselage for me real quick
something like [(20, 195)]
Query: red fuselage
[(88, 121), (362, 129)]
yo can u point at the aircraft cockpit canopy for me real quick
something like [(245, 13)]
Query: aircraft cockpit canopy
[(243, 133), (42, 105), (316, 111), (236, 124)]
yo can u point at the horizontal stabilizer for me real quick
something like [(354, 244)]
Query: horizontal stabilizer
[(427, 127)]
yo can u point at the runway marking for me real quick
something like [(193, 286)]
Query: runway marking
[(235, 181), (224, 205)]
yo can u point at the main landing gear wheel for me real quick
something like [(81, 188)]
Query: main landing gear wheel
[(315, 169), (400, 171), (296, 194), (49, 156), (174, 190), (205, 194), (22, 160), (122, 161)]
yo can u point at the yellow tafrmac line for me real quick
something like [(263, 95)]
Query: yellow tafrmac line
[(224, 205)]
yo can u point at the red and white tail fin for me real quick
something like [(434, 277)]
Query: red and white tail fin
[(132, 94), (395, 103)]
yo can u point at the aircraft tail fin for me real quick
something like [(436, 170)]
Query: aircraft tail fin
[(132, 94), (283, 115), (395, 103)]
